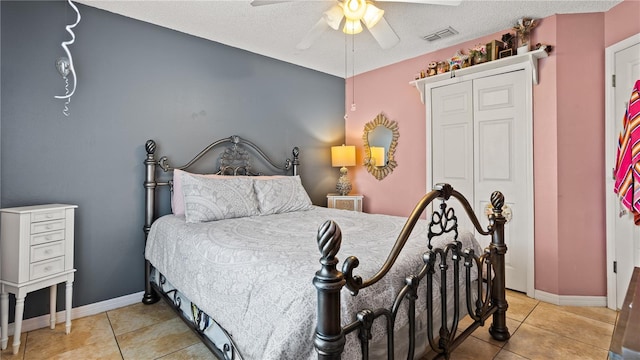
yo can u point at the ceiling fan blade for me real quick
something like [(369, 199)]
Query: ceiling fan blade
[(384, 34), (320, 27), (267, 2), (428, 2)]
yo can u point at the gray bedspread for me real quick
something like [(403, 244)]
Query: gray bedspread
[(254, 274)]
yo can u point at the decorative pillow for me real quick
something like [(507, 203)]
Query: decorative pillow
[(281, 194), (207, 199), (177, 198)]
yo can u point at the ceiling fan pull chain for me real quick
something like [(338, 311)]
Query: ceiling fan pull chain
[(353, 72)]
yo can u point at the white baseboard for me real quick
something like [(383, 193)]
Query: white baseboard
[(40, 322), (571, 300)]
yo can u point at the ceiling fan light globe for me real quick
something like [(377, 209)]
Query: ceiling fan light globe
[(354, 9), (352, 27), (372, 15), (334, 16)]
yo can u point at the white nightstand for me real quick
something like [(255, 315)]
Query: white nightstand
[(36, 251), (345, 202)]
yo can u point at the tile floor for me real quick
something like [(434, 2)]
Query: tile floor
[(539, 331)]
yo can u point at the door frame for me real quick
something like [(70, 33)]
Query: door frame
[(529, 70), (610, 154)]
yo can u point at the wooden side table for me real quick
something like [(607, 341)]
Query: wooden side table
[(345, 202), (36, 251)]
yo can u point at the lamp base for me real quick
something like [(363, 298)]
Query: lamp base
[(344, 185)]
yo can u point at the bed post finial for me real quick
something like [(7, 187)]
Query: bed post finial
[(296, 160), (497, 201), (150, 145), (498, 329), (329, 339)]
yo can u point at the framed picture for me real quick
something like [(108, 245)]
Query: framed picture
[(505, 53), (493, 49)]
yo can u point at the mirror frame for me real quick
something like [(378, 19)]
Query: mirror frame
[(380, 172)]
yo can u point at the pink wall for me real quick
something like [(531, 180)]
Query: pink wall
[(568, 143), (581, 200), (545, 163), (621, 22)]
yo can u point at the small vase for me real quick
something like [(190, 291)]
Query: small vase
[(479, 58), (523, 43)]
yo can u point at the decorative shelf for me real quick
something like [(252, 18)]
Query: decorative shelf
[(531, 57)]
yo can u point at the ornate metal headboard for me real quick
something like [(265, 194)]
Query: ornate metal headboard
[(234, 160)]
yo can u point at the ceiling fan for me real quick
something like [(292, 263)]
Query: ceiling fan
[(355, 13)]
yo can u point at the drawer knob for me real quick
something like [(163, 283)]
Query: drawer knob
[(48, 237), (49, 226), (47, 268), (49, 216), (48, 251)]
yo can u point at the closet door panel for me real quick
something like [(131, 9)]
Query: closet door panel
[(452, 140), (500, 151), (495, 149)]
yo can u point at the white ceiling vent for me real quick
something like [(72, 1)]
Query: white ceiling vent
[(440, 34)]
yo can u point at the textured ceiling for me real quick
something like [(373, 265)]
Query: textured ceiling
[(274, 30)]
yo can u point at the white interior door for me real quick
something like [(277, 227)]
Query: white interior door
[(626, 246), (501, 150), (452, 141), (481, 142)]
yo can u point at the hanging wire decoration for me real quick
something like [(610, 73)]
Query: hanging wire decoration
[(64, 65)]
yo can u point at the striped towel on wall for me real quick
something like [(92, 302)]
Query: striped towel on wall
[(627, 171)]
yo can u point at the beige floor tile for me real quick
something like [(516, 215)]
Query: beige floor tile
[(156, 340), (508, 355), (482, 332), (603, 314), (520, 305), (198, 351), (8, 352), (576, 327), (471, 349), (535, 343), (46, 343), (107, 350), (137, 316)]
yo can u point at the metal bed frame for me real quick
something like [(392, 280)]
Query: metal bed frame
[(329, 339)]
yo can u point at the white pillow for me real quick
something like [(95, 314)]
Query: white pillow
[(208, 199), (177, 197), (281, 194)]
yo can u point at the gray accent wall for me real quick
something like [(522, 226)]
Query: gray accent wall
[(138, 81)]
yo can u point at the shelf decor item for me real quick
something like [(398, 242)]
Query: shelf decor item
[(523, 31), (478, 54)]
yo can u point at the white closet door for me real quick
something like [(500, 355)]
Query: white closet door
[(452, 141), (501, 149)]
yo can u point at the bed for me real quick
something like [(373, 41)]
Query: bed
[(252, 267)]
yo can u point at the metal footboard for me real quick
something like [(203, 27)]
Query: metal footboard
[(490, 298)]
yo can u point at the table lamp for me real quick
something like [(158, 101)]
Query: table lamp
[(343, 156)]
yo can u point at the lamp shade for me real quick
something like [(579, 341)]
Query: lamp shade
[(334, 16), (352, 27), (377, 155), (343, 156), (372, 15)]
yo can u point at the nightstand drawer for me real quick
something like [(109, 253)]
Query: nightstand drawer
[(46, 267), (47, 215), (47, 226), (345, 202), (47, 251), (47, 237)]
